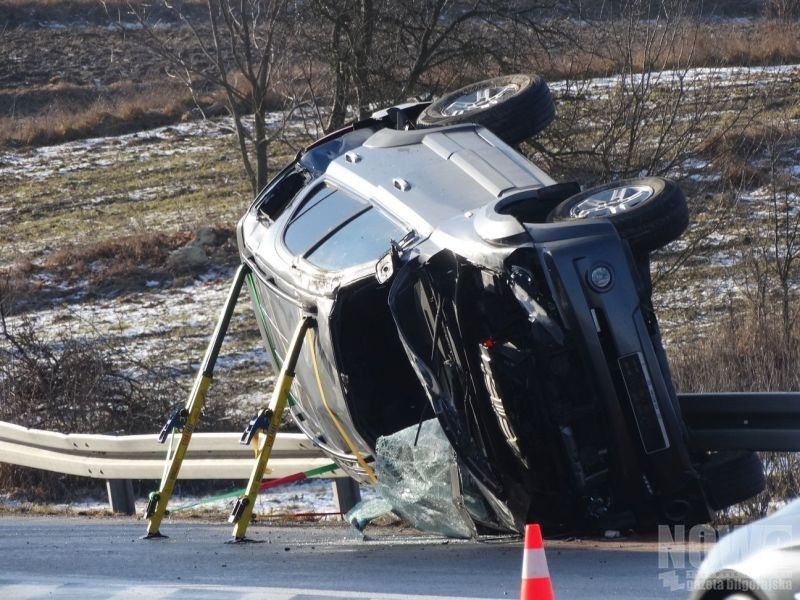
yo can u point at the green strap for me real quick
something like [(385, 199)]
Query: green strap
[(321, 470), (261, 316), (236, 493)]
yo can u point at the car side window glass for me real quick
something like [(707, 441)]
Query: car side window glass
[(363, 239), (320, 214), (276, 198)]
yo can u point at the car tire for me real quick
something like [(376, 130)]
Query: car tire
[(513, 107), (657, 216), (732, 477)]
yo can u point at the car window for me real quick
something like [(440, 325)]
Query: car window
[(361, 240), (320, 214), (280, 192)]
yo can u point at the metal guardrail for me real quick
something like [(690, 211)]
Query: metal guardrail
[(119, 459), (211, 455)]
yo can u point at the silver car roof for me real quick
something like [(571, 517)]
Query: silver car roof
[(429, 176)]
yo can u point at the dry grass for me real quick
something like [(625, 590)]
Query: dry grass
[(593, 50), (119, 263), (42, 114), (124, 255), (109, 267), (72, 112), (734, 153), (117, 257), (743, 354), (760, 43)]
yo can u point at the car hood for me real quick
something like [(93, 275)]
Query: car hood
[(761, 552)]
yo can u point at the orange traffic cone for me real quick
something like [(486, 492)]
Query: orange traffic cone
[(536, 584)]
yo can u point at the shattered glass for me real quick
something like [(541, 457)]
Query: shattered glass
[(366, 511), (418, 478)]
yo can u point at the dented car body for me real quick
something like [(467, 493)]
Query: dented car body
[(440, 288)]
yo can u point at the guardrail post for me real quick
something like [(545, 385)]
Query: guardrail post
[(346, 493), (120, 496)]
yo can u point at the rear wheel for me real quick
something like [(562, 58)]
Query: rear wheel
[(648, 212), (513, 107), (731, 477)]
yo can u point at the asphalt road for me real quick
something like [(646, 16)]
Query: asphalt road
[(76, 557)]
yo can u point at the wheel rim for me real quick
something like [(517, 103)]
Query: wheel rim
[(611, 202), (481, 98)]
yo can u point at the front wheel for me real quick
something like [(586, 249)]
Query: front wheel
[(648, 212)]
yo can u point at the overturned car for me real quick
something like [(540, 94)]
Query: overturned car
[(450, 277)]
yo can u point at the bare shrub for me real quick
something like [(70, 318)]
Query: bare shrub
[(73, 386), (769, 264), (652, 114), (757, 347), (782, 9)]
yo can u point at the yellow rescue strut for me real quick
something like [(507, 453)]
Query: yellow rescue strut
[(243, 510), (186, 418), (269, 419)]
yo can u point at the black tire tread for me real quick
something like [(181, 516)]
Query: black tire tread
[(647, 227), (729, 478), (514, 119)]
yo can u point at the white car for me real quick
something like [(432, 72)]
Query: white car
[(759, 561)]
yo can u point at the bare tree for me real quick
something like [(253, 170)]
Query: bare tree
[(785, 10), (771, 259), (378, 51), (243, 51), (633, 105), (651, 113)]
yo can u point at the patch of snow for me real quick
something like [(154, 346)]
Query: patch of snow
[(142, 320), (707, 77), (717, 239), (705, 178), (723, 259), (694, 164), (309, 496)]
